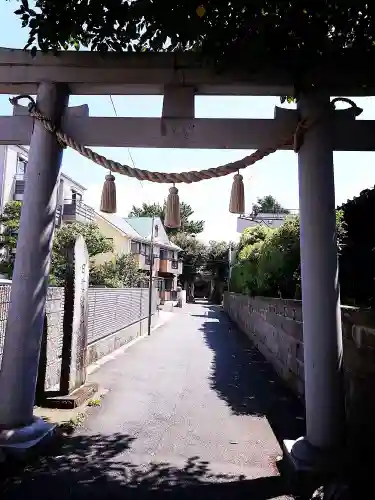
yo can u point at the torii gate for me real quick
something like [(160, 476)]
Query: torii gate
[(178, 78)]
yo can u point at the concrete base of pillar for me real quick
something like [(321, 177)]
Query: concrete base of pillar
[(303, 457), (18, 441), (307, 468), (76, 398)]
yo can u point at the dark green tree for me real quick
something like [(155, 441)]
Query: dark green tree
[(157, 210), (268, 204), (121, 272), (293, 35), (217, 263), (10, 221), (65, 236), (357, 259), (194, 258), (268, 262)]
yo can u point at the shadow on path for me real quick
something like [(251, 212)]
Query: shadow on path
[(246, 381), (93, 467)]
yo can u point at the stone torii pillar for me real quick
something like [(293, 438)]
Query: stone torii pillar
[(24, 329), (322, 336)]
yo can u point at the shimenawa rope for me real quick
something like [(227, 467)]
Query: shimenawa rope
[(165, 177), (146, 175)]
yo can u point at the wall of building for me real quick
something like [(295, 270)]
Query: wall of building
[(8, 168), (276, 328), (121, 243), (65, 189)]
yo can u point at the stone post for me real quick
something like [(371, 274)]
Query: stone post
[(73, 368), (24, 330)]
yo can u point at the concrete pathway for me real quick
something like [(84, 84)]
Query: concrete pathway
[(190, 412)]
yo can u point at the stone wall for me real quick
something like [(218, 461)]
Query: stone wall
[(276, 328), (54, 325), (116, 316)]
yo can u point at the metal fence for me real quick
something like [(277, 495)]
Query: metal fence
[(54, 315), (4, 306), (112, 309)]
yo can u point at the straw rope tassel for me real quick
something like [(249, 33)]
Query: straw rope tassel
[(108, 201), (237, 195), (172, 211)]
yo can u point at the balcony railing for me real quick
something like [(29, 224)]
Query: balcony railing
[(77, 211), (19, 186), (58, 217)]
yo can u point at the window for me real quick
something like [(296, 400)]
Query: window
[(156, 232), (135, 247), (163, 255), (21, 166), (76, 197)]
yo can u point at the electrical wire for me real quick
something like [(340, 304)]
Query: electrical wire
[(129, 152)]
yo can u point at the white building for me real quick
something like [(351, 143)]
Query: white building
[(13, 173)]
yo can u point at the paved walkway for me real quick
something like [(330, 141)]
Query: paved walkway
[(190, 412)]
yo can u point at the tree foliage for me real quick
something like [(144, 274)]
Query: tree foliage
[(217, 264), (10, 220), (156, 210), (193, 255), (295, 34), (65, 236), (268, 261), (122, 272), (244, 277), (357, 259), (268, 204)]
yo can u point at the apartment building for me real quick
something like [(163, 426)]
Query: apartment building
[(129, 235), (13, 173), (133, 235), (169, 267)]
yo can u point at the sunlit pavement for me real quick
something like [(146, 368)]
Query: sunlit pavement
[(193, 410)]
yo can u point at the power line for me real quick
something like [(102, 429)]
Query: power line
[(129, 152)]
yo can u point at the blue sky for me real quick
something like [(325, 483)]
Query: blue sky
[(276, 175)]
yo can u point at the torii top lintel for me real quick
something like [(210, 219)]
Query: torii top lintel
[(90, 73)]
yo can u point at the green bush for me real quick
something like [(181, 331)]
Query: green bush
[(123, 272), (268, 260)]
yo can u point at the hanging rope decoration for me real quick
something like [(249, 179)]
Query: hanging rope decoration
[(108, 201), (172, 210), (237, 195)]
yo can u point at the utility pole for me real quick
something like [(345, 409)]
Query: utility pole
[(150, 280)]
